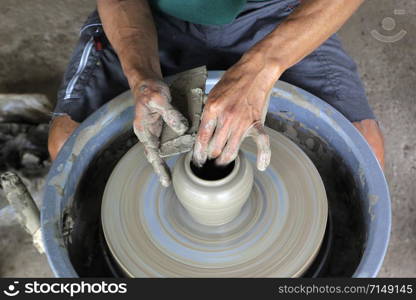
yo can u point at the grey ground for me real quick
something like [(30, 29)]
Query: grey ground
[(37, 37)]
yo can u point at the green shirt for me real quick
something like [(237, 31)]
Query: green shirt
[(207, 12)]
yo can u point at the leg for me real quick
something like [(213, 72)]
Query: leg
[(93, 77), (60, 130), (330, 74)]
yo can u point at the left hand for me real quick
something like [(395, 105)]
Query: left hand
[(235, 108), (153, 108), (372, 133)]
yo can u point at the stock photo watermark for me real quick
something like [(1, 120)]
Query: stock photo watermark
[(389, 26), (71, 289)]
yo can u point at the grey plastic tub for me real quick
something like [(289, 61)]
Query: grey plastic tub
[(357, 189)]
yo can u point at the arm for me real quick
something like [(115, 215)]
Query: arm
[(301, 33), (130, 29), (237, 104)]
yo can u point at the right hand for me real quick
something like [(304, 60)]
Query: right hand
[(152, 98)]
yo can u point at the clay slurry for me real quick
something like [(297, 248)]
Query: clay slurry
[(211, 171)]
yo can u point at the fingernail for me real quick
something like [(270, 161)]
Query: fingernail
[(220, 161), (210, 151), (261, 168), (165, 182), (263, 162)]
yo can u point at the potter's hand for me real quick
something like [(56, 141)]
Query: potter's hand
[(235, 108), (152, 109), (372, 133)]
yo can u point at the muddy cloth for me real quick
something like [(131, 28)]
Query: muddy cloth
[(94, 75)]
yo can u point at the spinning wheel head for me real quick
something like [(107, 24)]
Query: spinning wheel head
[(276, 232)]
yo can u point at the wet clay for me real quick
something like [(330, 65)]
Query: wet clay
[(26, 108), (24, 206), (87, 248), (187, 90), (210, 196), (277, 233)]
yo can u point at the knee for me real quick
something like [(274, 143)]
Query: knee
[(60, 130)]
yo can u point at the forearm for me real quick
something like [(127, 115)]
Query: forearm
[(311, 24), (130, 29)]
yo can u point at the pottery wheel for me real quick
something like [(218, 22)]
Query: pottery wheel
[(277, 234)]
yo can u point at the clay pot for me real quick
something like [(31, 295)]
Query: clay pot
[(211, 200)]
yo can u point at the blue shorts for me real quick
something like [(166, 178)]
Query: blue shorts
[(94, 75)]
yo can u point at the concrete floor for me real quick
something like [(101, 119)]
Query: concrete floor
[(38, 36)]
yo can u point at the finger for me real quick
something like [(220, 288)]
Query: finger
[(175, 120), (218, 141), (151, 150), (150, 140), (159, 165), (156, 126), (230, 151), (172, 117), (261, 138), (141, 117), (206, 129)]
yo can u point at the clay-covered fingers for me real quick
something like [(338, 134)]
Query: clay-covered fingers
[(159, 165), (172, 117), (157, 99), (236, 137), (151, 148), (148, 127), (205, 132), (222, 141), (230, 151), (259, 135), (219, 139), (152, 109)]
